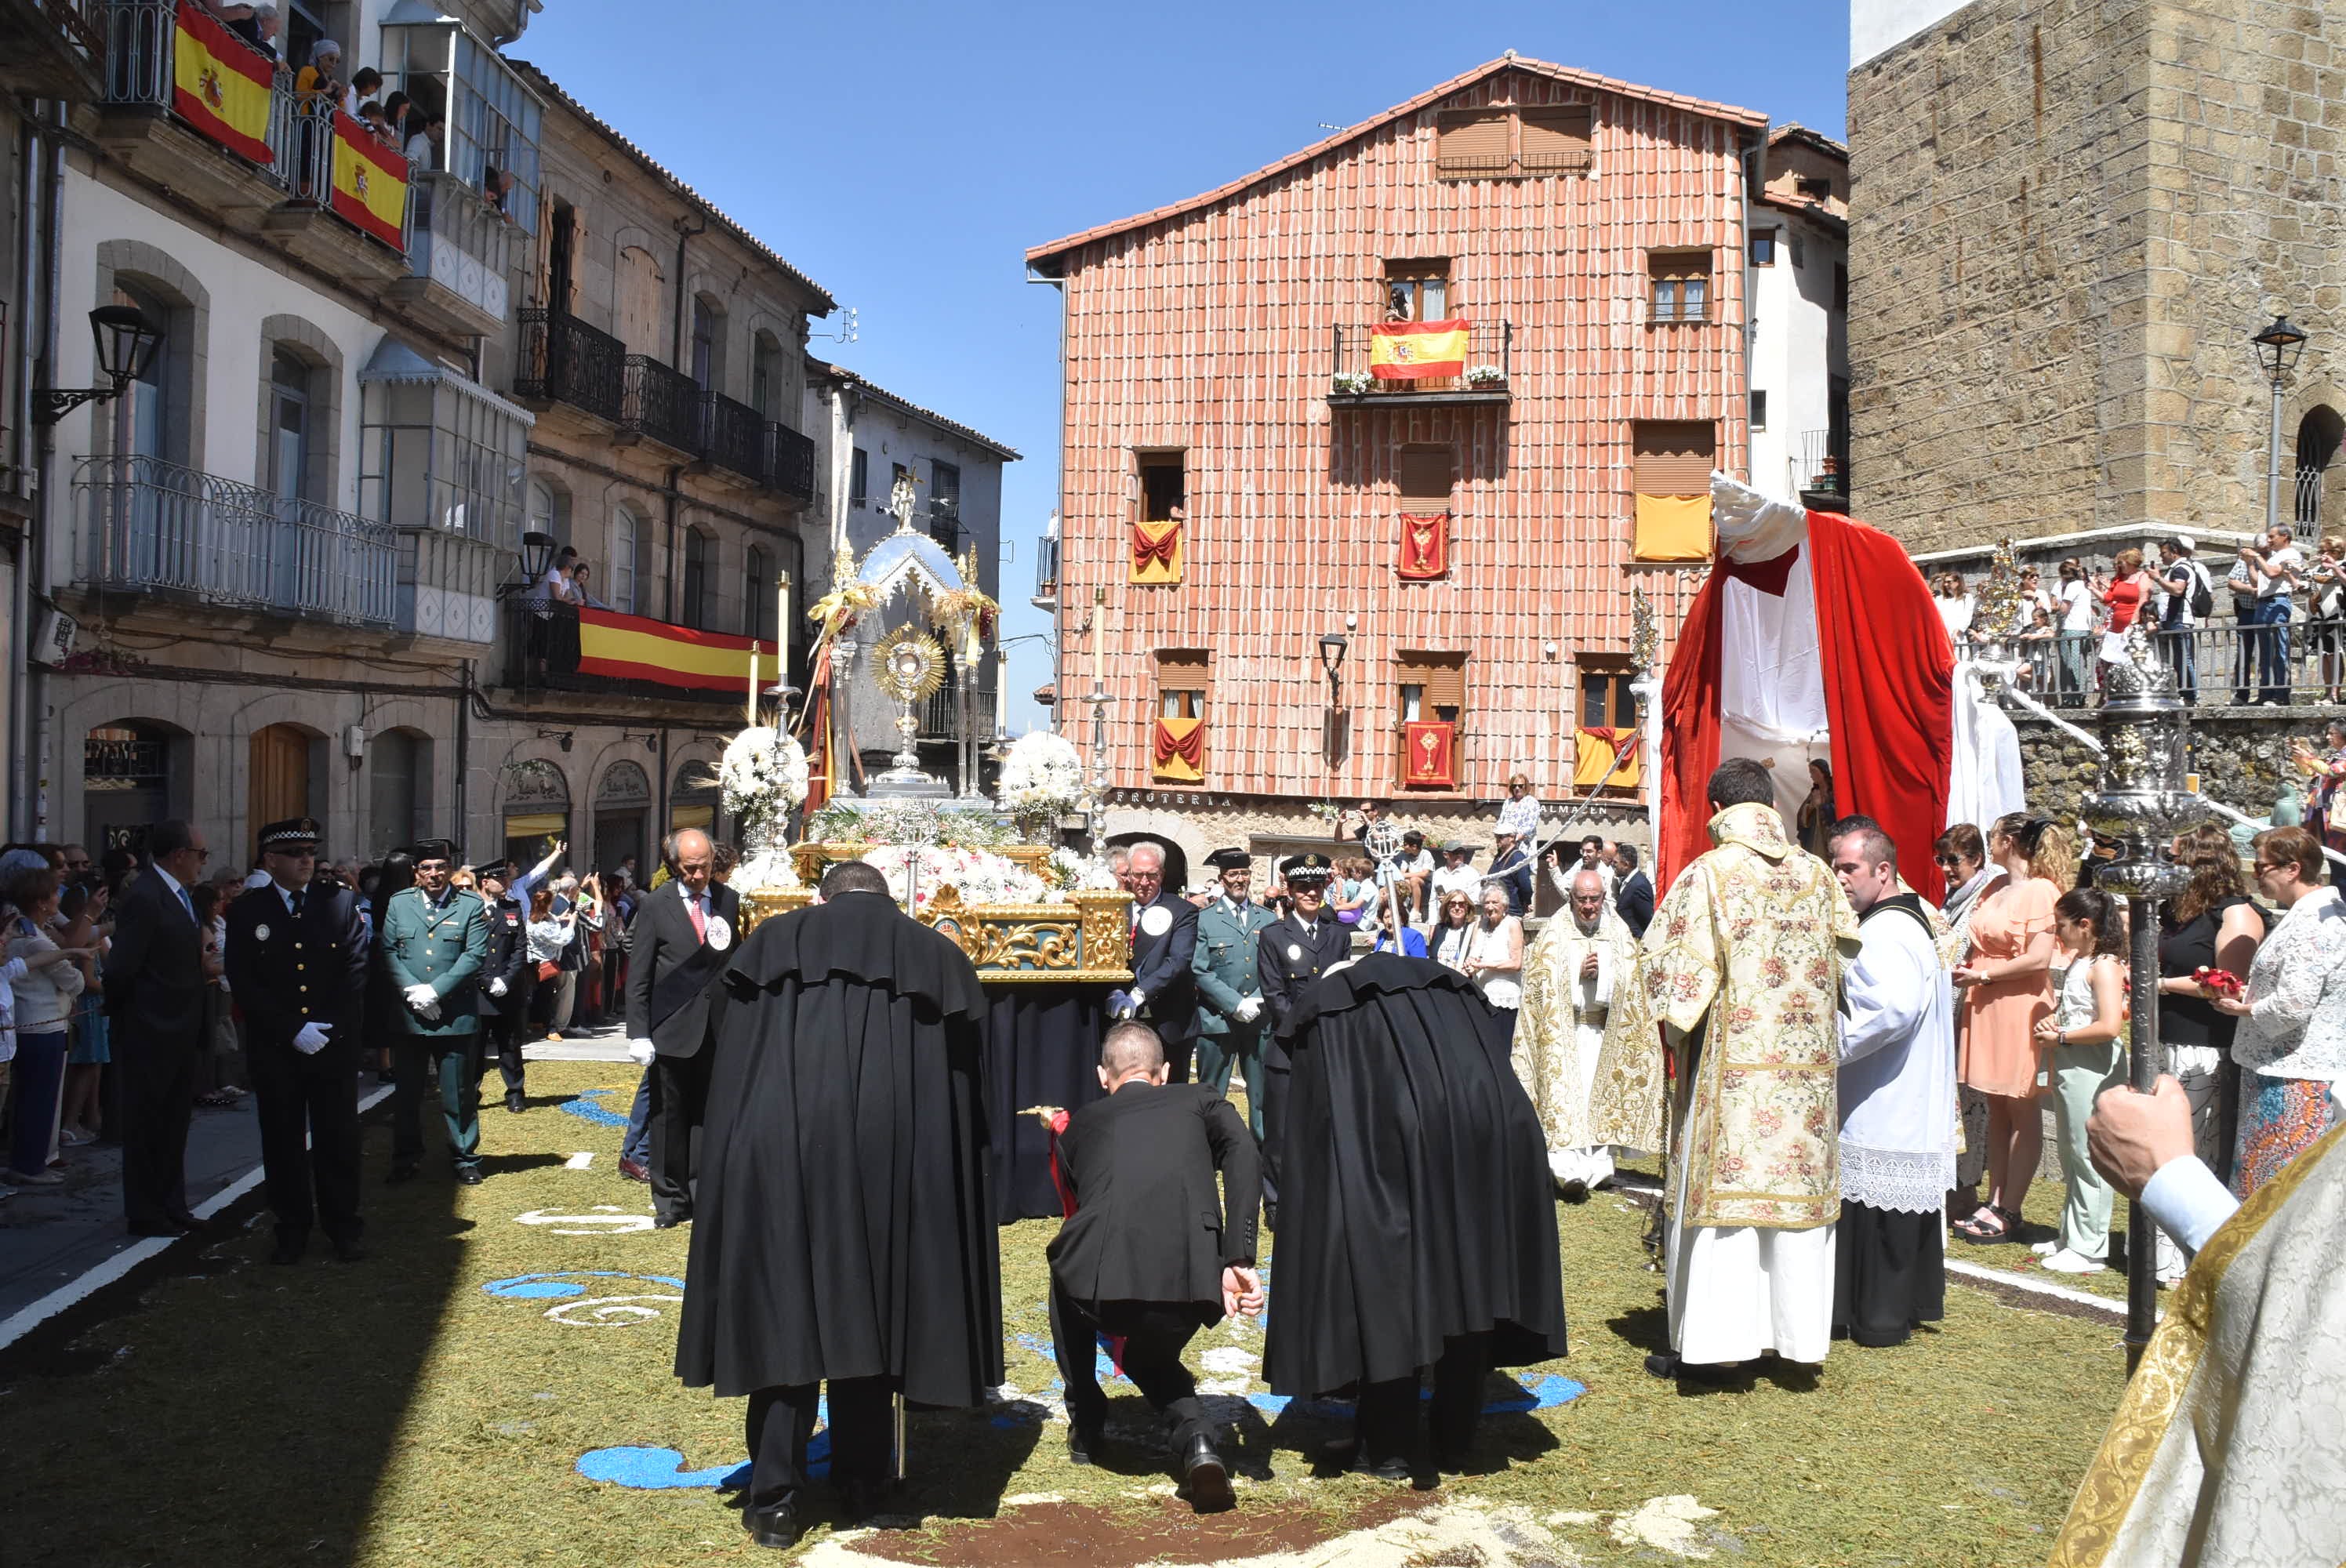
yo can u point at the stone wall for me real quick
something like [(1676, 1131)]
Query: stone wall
[(2068, 219), (2241, 761)]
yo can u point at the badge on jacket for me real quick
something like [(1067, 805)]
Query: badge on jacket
[(1155, 921), (260, 934), (1294, 952), (720, 933)]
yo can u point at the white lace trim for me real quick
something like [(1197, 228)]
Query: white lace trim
[(1903, 1180)]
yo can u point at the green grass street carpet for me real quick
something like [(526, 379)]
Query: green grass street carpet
[(453, 1400)]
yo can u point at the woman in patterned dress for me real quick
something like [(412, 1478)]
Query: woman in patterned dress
[(2291, 1041)]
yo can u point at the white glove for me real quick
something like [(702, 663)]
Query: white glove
[(312, 1038), (640, 1053), (422, 998), (1249, 1009), (497, 986)]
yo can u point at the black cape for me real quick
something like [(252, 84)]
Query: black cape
[(1415, 1200), (842, 1226)]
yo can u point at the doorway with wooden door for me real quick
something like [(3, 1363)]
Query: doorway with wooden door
[(278, 781)]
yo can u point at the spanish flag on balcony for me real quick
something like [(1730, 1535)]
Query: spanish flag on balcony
[(1405, 350), (221, 85), (631, 647), (370, 183), (1179, 754)]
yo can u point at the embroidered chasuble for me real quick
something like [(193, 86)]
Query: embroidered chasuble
[(1560, 1031), (1748, 947)]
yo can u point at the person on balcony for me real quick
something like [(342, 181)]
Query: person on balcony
[(427, 141), (555, 599), (322, 77), (2183, 581), (256, 24), (365, 82)]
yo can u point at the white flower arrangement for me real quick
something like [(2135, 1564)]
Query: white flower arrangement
[(979, 876), (1485, 376), (769, 868), (1353, 382), (1071, 873), (763, 774), (1042, 777)]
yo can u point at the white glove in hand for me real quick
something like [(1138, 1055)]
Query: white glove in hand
[(497, 986), (420, 997), (640, 1053), (1249, 1009), (311, 1039)]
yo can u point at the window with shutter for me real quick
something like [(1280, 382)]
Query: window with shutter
[(1426, 475), (1556, 138), (1178, 739), (1474, 144), (1680, 283), (1431, 689), (1164, 485), (1672, 461)]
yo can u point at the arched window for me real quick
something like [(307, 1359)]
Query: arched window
[(287, 473), (699, 580), (707, 365), (765, 377), (2318, 436), (626, 558), (757, 608), (148, 421), (549, 510)]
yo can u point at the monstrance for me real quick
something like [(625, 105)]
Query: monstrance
[(908, 665)]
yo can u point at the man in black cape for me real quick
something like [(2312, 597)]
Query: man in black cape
[(1417, 1222), (843, 1230)]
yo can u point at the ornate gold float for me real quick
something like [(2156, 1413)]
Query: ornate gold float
[(1086, 939)]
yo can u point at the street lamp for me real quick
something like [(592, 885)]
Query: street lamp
[(127, 342), (536, 555), (1332, 659), (2278, 347)]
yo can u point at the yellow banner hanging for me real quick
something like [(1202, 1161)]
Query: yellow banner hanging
[(1672, 528)]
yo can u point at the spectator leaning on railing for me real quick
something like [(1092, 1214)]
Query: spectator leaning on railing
[(2185, 598), (2267, 572), (2326, 606), (2078, 613)]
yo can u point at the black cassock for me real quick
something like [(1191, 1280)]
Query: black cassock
[(1415, 1199), (842, 1226)]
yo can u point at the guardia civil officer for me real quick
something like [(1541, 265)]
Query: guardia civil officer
[(1291, 955), (434, 941), (1231, 1015), (296, 963), (508, 977)]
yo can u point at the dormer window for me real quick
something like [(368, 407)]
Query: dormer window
[(1504, 141)]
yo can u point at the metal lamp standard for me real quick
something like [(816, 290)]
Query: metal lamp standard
[(126, 343), (2278, 347)]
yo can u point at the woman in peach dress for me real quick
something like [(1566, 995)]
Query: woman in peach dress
[(2006, 986)]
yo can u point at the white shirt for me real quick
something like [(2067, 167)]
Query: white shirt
[(1462, 878), (1520, 817), (2289, 558), (1897, 1070), (2076, 607), (2296, 1026), (1956, 615)]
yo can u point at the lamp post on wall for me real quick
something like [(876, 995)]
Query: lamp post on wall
[(127, 342), (2278, 347), (1332, 659)]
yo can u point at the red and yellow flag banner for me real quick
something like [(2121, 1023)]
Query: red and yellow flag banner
[(1157, 552), (1594, 756), (370, 183), (1180, 751), (221, 85), (1404, 350), (1431, 745), (1672, 528), (1424, 545), (631, 647)]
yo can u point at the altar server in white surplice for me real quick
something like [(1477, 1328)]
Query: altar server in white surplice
[(1897, 1101)]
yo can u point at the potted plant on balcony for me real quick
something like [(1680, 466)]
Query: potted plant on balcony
[(1485, 378), (1351, 384)]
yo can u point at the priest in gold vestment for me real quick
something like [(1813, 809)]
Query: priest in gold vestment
[(1570, 977), (1741, 970)]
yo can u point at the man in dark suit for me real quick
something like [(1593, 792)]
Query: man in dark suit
[(155, 1005), (1151, 1252), (682, 939), (1292, 956), (1511, 869), (506, 979), (1633, 895), (1164, 989), (297, 965)]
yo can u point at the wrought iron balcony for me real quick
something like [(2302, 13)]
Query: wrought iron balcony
[(940, 713), (52, 48), (661, 405), (789, 461), (544, 652), (154, 527), (1823, 467), (733, 435), (564, 360), (1353, 382), (1046, 572)]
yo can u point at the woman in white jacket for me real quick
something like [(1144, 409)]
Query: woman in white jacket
[(44, 1000)]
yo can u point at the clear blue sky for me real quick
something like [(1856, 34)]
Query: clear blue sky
[(904, 156)]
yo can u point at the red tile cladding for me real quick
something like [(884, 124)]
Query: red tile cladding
[(1208, 328)]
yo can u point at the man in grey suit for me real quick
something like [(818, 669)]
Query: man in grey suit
[(155, 1005)]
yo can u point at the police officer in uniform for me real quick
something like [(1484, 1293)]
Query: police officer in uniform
[(296, 963), (1231, 1013), (1290, 955), (435, 943), (506, 979)]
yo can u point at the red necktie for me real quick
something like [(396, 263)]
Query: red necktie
[(699, 920)]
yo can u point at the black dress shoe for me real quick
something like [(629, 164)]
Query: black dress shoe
[(670, 1221), (1346, 1453), (289, 1249), (468, 1176), (1574, 1191), (1083, 1443), (515, 1103), (1207, 1480), (403, 1170), (776, 1524), (859, 1499), (1666, 1364), (187, 1221)]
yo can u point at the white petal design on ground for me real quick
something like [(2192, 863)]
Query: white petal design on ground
[(1664, 1524), (1229, 1359)]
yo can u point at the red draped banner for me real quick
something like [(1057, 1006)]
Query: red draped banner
[(1430, 745), (1424, 545)]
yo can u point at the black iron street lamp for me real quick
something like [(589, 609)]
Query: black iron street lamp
[(2278, 347), (127, 342), (536, 555), (1332, 659)]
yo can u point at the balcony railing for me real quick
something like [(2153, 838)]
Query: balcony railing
[(154, 527), (1489, 346), (941, 714), (52, 47), (543, 654), (564, 360), (1821, 468), (660, 404), (1046, 572)]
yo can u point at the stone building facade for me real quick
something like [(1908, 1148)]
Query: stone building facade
[(2068, 220)]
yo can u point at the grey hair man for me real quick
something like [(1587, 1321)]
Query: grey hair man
[(1570, 975)]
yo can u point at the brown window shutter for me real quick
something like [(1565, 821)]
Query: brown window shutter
[(1425, 475), (1475, 143), (1180, 669), (1556, 138), (1674, 458), (1677, 264), (1443, 678)]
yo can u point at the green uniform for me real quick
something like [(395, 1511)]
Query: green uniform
[(1228, 939), (445, 945)]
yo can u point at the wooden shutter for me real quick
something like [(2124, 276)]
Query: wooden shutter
[(1425, 475), (277, 776), (1674, 458), (1181, 669), (1443, 678), (1473, 142), (640, 320), (1556, 138)]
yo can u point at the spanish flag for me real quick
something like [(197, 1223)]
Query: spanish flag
[(221, 85), (370, 184), (631, 647), (1405, 350)]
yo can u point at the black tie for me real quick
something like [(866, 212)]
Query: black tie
[(297, 902)]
